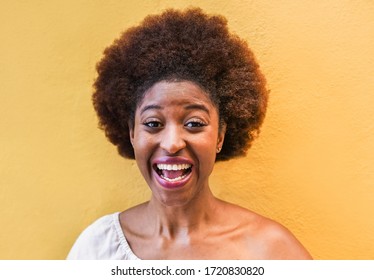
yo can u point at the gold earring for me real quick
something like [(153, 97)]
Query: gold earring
[(218, 149)]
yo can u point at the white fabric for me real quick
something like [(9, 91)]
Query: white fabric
[(102, 240)]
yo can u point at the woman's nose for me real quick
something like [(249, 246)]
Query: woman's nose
[(172, 140)]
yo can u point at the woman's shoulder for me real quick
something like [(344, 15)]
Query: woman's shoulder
[(103, 239), (100, 227), (265, 238), (88, 242), (279, 242)]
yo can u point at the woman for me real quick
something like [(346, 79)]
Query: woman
[(178, 93)]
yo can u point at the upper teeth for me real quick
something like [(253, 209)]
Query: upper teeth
[(173, 166)]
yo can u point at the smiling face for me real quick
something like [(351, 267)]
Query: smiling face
[(175, 138)]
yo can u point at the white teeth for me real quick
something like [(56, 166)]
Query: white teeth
[(175, 167), (162, 166), (174, 179)]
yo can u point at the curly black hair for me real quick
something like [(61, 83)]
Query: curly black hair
[(181, 45)]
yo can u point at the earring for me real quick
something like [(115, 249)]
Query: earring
[(218, 149)]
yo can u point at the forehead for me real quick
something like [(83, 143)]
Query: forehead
[(175, 93)]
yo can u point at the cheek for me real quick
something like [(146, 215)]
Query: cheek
[(206, 152), (142, 152), (141, 144)]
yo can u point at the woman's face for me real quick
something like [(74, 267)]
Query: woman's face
[(175, 138)]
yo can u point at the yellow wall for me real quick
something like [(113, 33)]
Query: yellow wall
[(312, 168)]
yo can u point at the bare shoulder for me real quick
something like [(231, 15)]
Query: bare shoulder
[(265, 238), (279, 242)]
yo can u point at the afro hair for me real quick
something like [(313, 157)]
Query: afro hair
[(181, 45)]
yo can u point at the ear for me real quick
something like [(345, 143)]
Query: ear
[(131, 132), (221, 135)]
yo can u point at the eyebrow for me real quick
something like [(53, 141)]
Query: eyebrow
[(150, 107), (187, 107), (197, 107)]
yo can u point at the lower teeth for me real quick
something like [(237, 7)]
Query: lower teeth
[(173, 179)]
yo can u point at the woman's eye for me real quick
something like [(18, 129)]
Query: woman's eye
[(195, 124), (153, 124)]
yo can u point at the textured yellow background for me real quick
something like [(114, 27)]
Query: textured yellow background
[(311, 169)]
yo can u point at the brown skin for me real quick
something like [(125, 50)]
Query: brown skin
[(188, 222)]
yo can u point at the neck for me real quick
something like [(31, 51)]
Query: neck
[(172, 222)]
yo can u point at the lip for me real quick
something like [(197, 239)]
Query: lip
[(171, 160)]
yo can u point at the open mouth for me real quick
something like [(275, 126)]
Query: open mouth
[(173, 172)]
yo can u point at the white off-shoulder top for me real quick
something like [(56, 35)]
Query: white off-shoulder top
[(102, 240)]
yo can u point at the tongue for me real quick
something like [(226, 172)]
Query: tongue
[(172, 174)]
